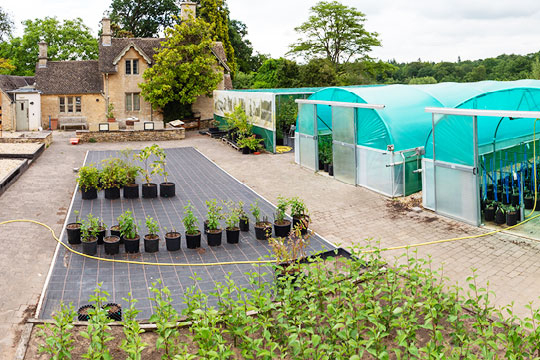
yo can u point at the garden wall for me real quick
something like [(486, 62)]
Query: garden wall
[(131, 135)]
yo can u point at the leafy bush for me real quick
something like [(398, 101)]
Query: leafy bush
[(88, 177), (113, 173), (190, 220), (128, 226), (214, 214)]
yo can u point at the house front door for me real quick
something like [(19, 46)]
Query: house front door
[(21, 114)]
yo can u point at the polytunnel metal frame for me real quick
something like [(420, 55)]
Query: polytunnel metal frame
[(307, 144), (453, 199)]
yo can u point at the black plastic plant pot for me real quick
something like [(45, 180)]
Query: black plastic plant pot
[(263, 231), (244, 224), (490, 195), (101, 234), (167, 190), (82, 313), (73, 231), (512, 218), (115, 230), (114, 311), (499, 196), (89, 193), (111, 244), (172, 241), (500, 217), (149, 191), (193, 241), (515, 199), (233, 235), (489, 214), (214, 237), (213, 129), (325, 167), (331, 170), (506, 199), (282, 230), (245, 150), (112, 193), (132, 246), (321, 165), (302, 221), (151, 243), (90, 247), (528, 201), (131, 191)]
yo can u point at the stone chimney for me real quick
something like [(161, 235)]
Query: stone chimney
[(106, 34), (42, 58), (187, 8)]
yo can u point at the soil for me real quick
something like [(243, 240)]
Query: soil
[(284, 222), (20, 148), (111, 239), (233, 229), (151, 237), (217, 231), (73, 226), (113, 308), (172, 234), (7, 166)]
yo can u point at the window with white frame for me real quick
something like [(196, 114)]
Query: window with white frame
[(70, 104), (132, 67), (133, 102)]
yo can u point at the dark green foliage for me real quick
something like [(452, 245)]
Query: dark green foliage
[(177, 111), (141, 18), (277, 73), (6, 24)]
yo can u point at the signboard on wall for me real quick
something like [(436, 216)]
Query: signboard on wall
[(259, 106)]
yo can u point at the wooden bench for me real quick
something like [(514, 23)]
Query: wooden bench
[(66, 121)]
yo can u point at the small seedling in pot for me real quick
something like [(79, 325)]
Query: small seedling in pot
[(255, 211), (128, 226), (233, 216), (89, 228), (190, 221), (214, 214), (152, 226), (281, 208)]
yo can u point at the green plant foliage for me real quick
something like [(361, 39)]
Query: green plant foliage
[(98, 330), (287, 250), (281, 209), (214, 214), (128, 226), (88, 177), (151, 168), (250, 142), (298, 208), (132, 344), (238, 120), (232, 217), (325, 149), (277, 73), (141, 18), (151, 225), (66, 39), (113, 173), (132, 170), (58, 340), (255, 211), (243, 49), (6, 25), (184, 68), (190, 221), (334, 31), (89, 227)]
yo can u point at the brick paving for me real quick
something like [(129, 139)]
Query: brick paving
[(341, 213)]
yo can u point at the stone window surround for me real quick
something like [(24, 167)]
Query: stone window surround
[(67, 102), (131, 104), (132, 66)]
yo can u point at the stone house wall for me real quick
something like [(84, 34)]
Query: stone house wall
[(92, 107), (8, 112)]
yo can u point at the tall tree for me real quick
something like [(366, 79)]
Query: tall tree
[(277, 73), (184, 67), (216, 13), (243, 49), (334, 31), (141, 18), (6, 25), (67, 40)]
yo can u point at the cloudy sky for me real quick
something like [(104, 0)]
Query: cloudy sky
[(432, 30)]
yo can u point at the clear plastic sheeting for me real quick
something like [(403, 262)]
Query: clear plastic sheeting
[(344, 144), (428, 188), (307, 140), (375, 171)]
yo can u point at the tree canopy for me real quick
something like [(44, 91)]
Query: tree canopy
[(184, 68), (6, 25), (141, 18), (334, 31), (67, 40)]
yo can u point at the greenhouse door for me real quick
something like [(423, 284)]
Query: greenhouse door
[(344, 144), (455, 172), (308, 147)]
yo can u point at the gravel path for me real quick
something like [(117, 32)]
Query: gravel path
[(6, 166), (26, 148)]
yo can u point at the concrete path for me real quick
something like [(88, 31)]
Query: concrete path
[(342, 213)]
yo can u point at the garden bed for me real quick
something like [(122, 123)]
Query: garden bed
[(30, 151), (10, 170)]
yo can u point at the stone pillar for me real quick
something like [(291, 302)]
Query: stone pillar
[(106, 34), (42, 58), (188, 8)]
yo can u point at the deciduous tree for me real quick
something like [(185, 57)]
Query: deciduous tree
[(334, 31), (141, 18), (6, 25)]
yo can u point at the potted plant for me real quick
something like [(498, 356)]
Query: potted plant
[(500, 214), (528, 201), (166, 188), (288, 252), (248, 144), (214, 126), (214, 232), (73, 230), (193, 234), (110, 113), (98, 226), (111, 244), (115, 231), (112, 177), (131, 188), (89, 236), (489, 212), (149, 189), (263, 229), (172, 239), (282, 226), (151, 240), (512, 216), (244, 220), (515, 197), (299, 214), (231, 220), (88, 181), (128, 231)]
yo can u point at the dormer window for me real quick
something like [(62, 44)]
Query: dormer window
[(132, 67)]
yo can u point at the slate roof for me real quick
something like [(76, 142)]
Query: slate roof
[(12, 82), (107, 54), (69, 77)]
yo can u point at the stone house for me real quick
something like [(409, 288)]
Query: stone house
[(79, 92)]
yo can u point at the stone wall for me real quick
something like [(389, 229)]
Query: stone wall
[(42, 137), (117, 85), (131, 135), (8, 112), (92, 107), (205, 104)]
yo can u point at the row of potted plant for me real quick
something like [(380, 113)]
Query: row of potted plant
[(240, 131), (91, 231), (121, 173), (500, 213)]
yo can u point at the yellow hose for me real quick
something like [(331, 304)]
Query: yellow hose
[(534, 170), (255, 261)]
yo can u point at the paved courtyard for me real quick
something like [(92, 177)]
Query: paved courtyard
[(341, 213)]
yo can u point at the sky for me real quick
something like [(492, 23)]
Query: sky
[(430, 30)]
